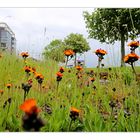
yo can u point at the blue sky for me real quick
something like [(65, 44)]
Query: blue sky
[(29, 25)]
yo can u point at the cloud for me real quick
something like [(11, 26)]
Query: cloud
[(29, 24)]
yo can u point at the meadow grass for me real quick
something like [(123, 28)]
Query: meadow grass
[(110, 105)]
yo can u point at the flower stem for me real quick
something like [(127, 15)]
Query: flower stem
[(99, 62), (57, 86), (133, 69), (25, 94)]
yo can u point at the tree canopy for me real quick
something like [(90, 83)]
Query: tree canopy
[(55, 51), (76, 42), (113, 24)]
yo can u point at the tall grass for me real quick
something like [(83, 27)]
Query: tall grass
[(96, 113)]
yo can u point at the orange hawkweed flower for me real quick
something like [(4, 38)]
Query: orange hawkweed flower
[(33, 70), (1, 92), (68, 52), (39, 76), (8, 85), (100, 51), (73, 109), (74, 113), (134, 44), (59, 74), (24, 54), (27, 69), (92, 79), (79, 68), (130, 58), (29, 107), (61, 69)]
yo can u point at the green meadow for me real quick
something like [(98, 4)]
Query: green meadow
[(109, 103)]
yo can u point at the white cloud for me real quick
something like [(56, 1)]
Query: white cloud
[(29, 24)]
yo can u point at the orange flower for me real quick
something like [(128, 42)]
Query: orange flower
[(27, 69), (100, 51), (29, 107), (59, 74), (79, 68), (92, 79), (132, 57), (39, 76), (61, 69), (35, 73), (134, 44), (8, 85), (68, 52), (126, 58), (24, 54), (74, 113), (33, 70), (75, 110), (1, 92)]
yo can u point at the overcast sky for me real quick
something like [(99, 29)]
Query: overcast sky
[(29, 25)]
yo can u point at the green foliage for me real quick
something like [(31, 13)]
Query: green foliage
[(107, 25), (54, 51), (128, 76), (76, 42), (113, 24)]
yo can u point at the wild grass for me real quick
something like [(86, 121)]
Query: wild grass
[(107, 105)]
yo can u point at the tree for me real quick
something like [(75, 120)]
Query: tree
[(110, 25), (77, 43), (55, 51)]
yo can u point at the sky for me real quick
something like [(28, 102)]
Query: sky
[(36, 27)]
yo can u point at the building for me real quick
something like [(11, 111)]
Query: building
[(7, 38)]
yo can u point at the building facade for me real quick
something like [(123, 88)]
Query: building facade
[(7, 38)]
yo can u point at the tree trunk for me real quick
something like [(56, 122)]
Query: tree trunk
[(122, 50), (66, 61), (75, 60)]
